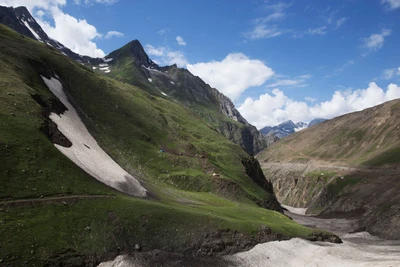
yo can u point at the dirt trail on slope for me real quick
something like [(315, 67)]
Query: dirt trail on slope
[(39, 201)]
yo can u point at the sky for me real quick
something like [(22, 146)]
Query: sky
[(277, 60)]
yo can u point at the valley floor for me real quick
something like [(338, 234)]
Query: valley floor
[(358, 249)]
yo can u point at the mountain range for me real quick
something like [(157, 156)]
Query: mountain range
[(101, 157), (132, 65)]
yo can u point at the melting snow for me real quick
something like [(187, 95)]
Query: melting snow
[(85, 152), (32, 31), (103, 65), (172, 82), (107, 71), (150, 80), (108, 59), (105, 68), (94, 68), (164, 93), (150, 69), (300, 128)]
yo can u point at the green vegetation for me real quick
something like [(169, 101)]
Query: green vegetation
[(132, 126), (391, 156), (337, 186), (321, 174)]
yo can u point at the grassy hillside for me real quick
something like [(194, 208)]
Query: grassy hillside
[(369, 137), (51, 211)]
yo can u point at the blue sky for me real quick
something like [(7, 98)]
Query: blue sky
[(276, 60)]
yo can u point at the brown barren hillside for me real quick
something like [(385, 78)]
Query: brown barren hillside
[(368, 137), (345, 167)]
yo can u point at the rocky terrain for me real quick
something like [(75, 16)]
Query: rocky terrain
[(347, 167)]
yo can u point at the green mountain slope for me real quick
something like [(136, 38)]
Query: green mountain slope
[(52, 211), (131, 64), (347, 166)]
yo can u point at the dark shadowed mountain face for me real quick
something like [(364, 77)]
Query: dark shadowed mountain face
[(284, 129), (132, 65)]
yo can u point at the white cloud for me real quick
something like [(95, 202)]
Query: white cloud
[(296, 82), (162, 31), (391, 4), (87, 2), (375, 41), (310, 99), (340, 22), (263, 29), (31, 4), (180, 40), (165, 56), (234, 74), (272, 109), (339, 70), (111, 34), (76, 34), (311, 31), (317, 31), (390, 73)]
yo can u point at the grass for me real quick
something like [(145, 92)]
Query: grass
[(321, 173), (337, 186), (132, 126), (391, 156)]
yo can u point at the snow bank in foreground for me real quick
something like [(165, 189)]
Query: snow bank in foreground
[(298, 252), (299, 211), (85, 152)]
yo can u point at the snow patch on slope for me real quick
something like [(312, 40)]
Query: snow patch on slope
[(85, 152), (32, 31)]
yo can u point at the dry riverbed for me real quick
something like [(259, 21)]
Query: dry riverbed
[(358, 249)]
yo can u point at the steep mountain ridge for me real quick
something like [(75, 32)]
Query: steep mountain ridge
[(21, 20), (132, 65), (347, 166)]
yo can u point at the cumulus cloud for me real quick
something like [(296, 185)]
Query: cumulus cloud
[(164, 55), (391, 4), (274, 108), (234, 74), (375, 41), (180, 40), (30, 4), (111, 34), (76, 34)]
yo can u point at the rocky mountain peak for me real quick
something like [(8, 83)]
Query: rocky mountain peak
[(140, 56)]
